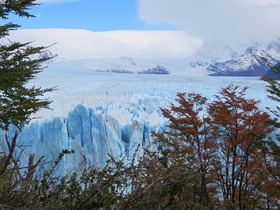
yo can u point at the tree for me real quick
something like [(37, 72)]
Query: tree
[(239, 128), (274, 87), (271, 149), (188, 137), (185, 150), (218, 146), (19, 63)]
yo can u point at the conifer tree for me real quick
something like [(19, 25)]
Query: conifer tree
[(274, 87), (272, 148), (19, 63)]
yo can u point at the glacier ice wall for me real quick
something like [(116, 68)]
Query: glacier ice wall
[(93, 136), (125, 109)]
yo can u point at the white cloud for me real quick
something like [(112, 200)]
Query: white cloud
[(228, 20), (260, 2), (82, 44)]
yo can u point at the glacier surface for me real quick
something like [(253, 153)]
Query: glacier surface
[(111, 114)]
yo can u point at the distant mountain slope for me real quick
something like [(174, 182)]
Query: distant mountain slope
[(129, 65), (145, 51), (249, 63), (213, 59)]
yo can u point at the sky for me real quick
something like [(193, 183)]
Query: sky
[(230, 21), (93, 15)]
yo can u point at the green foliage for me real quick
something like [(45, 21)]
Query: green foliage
[(17, 7), (272, 148), (19, 63), (17, 67), (273, 88)]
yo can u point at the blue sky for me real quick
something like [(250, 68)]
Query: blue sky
[(93, 15)]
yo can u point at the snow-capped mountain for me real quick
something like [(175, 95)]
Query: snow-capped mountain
[(273, 49), (248, 64), (127, 65), (212, 52), (255, 61), (117, 51), (221, 59)]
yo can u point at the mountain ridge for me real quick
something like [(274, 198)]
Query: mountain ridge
[(212, 57)]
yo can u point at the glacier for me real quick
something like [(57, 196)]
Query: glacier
[(93, 137), (100, 114)]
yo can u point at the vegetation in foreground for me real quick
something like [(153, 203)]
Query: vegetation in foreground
[(213, 155)]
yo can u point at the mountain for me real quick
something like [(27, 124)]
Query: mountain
[(211, 52), (128, 65), (155, 70), (255, 61), (248, 64), (273, 48), (116, 51), (221, 59)]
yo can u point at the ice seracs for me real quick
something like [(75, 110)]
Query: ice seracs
[(107, 114)]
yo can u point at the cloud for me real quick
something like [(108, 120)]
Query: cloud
[(260, 2), (227, 20), (82, 44)]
